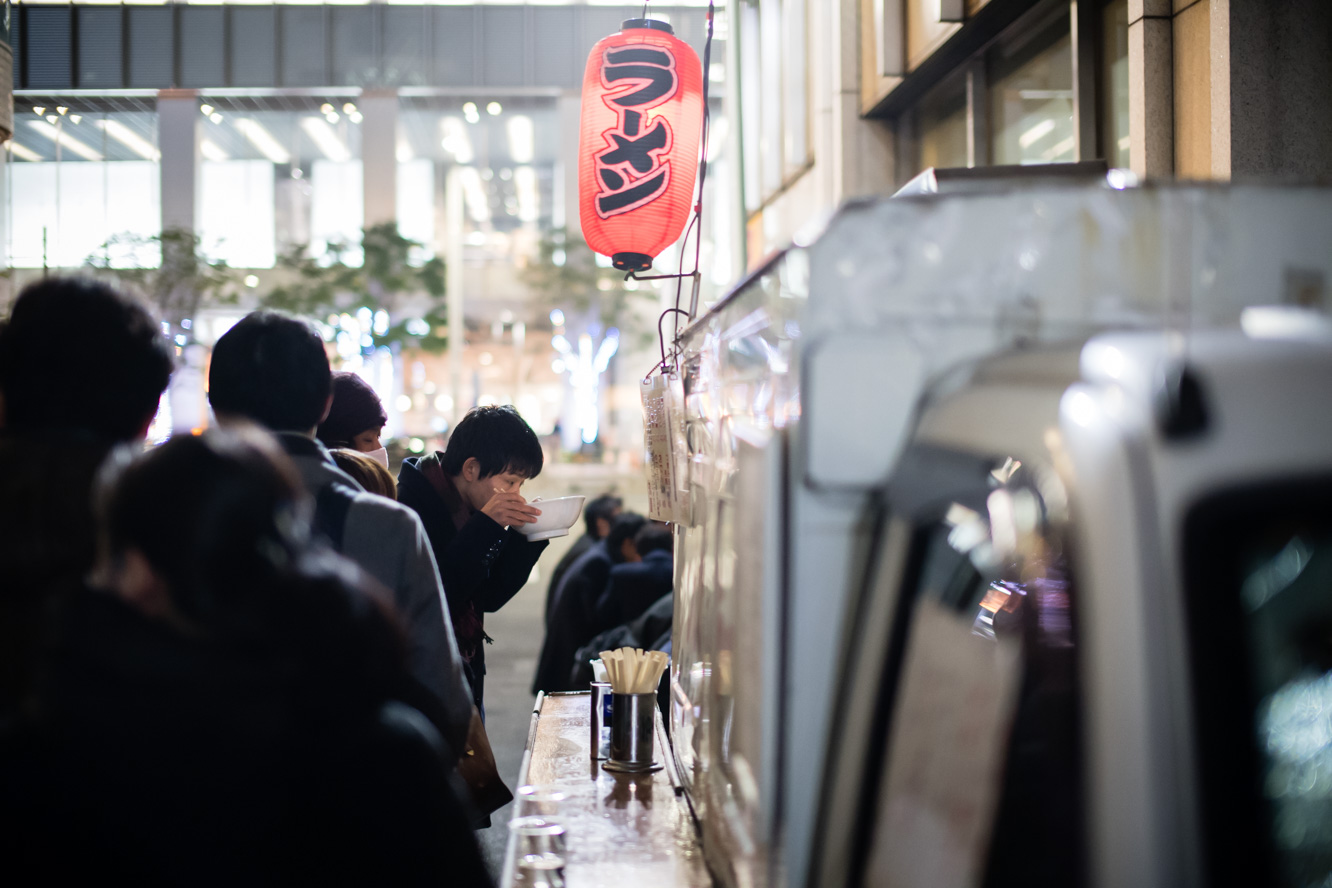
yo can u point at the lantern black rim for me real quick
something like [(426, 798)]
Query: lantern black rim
[(652, 24), (632, 261)]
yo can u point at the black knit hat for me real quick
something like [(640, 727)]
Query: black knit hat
[(356, 408)]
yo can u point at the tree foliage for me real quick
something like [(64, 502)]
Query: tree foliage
[(185, 281), (387, 279), (564, 275)]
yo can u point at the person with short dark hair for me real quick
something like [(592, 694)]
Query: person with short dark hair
[(574, 619), (222, 703), (356, 418), (647, 574), (272, 369), (82, 369), (469, 498), (77, 356), (597, 517)]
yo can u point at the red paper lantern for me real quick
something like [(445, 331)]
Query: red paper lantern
[(638, 146)]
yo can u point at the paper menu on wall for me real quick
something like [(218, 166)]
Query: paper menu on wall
[(947, 747), (663, 443)]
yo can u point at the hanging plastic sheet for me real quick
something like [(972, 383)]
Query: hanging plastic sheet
[(663, 437)]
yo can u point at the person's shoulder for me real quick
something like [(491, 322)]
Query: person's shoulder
[(383, 511)]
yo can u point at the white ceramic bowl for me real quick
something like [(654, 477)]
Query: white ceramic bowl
[(557, 516)]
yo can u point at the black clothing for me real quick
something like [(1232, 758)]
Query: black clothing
[(651, 632), (47, 543), (573, 621), (482, 564), (581, 545), (633, 587), (166, 758)]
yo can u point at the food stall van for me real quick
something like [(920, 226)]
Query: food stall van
[(798, 393)]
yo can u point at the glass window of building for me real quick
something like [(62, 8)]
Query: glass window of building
[(279, 172), (1031, 98), (1114, 83), (941, 121), (83, 181), (774, 94)]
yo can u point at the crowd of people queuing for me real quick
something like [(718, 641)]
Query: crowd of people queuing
[(251, 655)]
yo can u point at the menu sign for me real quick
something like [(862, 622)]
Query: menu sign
[(663, 440)]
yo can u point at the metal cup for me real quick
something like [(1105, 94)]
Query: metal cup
[(601, 719), (632, 730)]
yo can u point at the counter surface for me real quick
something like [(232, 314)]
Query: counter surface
[(622, 830)]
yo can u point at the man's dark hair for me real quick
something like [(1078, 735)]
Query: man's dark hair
[(605, 506), (271, 368), (78, 355), (625, 526), (653, 536), (499, 438)]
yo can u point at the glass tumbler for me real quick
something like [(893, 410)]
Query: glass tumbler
[(538, 835), (540, 801)]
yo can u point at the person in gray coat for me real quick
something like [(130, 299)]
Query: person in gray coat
[(271, 369)]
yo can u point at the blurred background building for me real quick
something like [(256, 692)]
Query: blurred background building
[(401, 172)]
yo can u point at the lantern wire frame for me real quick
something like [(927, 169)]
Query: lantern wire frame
[(695, 220)]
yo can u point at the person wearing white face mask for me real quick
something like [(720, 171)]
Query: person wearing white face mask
[(356, 418)]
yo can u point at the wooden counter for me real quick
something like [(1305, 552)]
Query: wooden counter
[(622, 830)]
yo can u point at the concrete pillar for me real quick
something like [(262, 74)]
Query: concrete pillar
[(1151, 89), (379, 155), (568, 108), (453, 272), (1278, 105), (178, 140)]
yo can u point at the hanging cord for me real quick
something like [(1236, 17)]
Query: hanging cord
[(697, 218), (661, 340)]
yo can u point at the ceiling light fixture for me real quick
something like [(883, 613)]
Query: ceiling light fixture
[(130, 139), (478, 207), (211, 151), (70, 144), (494, 109), (525, 183), (206, 110), (456, 141), (39, 110), (263, 140), (325, 139), (522, 138), (22, 152)]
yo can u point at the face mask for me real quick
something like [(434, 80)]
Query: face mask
[(380, 456)]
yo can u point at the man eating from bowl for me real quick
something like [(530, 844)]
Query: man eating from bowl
[(469, 500)]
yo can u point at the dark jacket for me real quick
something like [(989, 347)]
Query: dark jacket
[(581, 545), (47, 543), (651, 632), (386, 540), (170, 759), (482, 564), (634, 587), (573, 621)]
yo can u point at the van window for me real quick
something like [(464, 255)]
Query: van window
[(1259, 597), (981, 784)]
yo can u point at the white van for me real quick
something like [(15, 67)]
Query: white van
[(1095, 642)]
